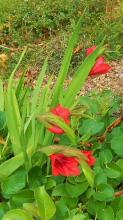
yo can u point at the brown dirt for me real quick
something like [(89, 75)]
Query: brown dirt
[(111, 81)]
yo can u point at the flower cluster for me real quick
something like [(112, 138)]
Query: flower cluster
[(100, 67), (62, 165)]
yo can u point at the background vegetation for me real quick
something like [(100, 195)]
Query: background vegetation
[(46, 25)]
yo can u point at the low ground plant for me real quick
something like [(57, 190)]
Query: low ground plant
[(46, 27), (61, 154)]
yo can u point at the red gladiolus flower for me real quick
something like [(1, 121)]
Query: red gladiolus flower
[(64, 114), (68, 166), (90, 158), (100, 67), (65, 166)]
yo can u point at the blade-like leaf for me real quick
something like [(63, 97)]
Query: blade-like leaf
[(52, 119), (80, 77), (9, 166), (1, 96), (38, 86), (13, 120), (65, 65), (12, 111)]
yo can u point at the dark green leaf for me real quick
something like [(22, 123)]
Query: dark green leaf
[(91, 127), (113, 171), (117, 145), (104, 192), (24, 196), (14, 183)]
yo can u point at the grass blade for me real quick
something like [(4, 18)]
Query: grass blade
[(1, 96), (65, 65), (80, 77)]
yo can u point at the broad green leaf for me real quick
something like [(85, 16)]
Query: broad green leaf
[(117, 203), (119, 215), (113, 171), (17, 214), (70, 190), (91, 127), (117, 145), (70, 202), (45, 204), (60, 190), (93, 206), (35, 177), (61, 210), (120, 163), (3, 209), (76, 190), (31, 208), (78, 217), (104, 193), (24, 196), (80, 76), (65, 65), (105, 214), (105, 156), (100, 178), (14, 183)]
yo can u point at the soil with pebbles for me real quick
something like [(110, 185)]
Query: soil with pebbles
[(111, 81)]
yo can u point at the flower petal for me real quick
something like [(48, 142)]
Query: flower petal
[(55, 129), (90, 50), (100, 69)]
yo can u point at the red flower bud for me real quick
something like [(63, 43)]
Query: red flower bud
[(100, 67)]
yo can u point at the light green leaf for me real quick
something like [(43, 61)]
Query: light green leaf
[(45, 204), (65, 65), (17, 214), (119, 215)]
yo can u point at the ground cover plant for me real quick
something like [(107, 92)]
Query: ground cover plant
[(61, 154), (46, 26)]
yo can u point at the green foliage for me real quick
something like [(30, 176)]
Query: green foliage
[(28, 189)]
